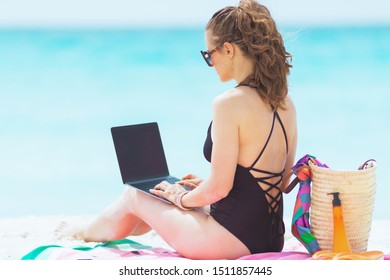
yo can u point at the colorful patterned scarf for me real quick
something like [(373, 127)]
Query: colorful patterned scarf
[(300, 226)]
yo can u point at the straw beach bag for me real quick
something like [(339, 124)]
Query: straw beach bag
[(357, 195)]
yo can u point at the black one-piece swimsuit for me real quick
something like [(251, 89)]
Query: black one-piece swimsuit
[(245, 211)]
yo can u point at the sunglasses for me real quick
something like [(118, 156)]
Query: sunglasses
[(207, 54)]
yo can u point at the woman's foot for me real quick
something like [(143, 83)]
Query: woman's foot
[(69, 232)]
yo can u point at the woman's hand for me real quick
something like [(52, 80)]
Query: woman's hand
[(171, 192), (190, 181)]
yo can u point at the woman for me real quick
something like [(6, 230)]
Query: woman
[(251, 145)]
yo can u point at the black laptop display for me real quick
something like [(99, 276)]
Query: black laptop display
[(141, 156)]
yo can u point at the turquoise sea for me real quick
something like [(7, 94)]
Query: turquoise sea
[(62, 90)]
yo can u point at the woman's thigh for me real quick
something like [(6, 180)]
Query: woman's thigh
[(194, 234)]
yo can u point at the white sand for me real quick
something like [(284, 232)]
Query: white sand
[(18, 236)]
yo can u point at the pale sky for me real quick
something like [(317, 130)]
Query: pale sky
[(125, 13)]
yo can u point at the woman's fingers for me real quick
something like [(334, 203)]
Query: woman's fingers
[(167, 190), (161, 186), (189, 176), (161, 189), (157, 192), (188, 184)]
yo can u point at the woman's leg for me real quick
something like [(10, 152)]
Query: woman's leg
[(193, 234), (114, 223)]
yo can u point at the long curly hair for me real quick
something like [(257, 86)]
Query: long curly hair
[(250, 26)]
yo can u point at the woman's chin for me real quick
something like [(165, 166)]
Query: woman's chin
[(224, 79)]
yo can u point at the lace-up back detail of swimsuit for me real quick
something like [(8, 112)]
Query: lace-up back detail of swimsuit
[(263, 177)]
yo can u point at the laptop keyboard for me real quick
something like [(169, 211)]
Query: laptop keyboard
[(151, 184)]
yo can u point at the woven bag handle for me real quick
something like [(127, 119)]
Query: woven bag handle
[(367, 164), (294, 182)]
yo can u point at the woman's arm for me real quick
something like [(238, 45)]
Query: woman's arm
[(225, 135)]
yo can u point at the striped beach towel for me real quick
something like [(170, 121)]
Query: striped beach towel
[(112, 250), (127, 249)]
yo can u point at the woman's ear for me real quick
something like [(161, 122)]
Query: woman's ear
[(229, 49)]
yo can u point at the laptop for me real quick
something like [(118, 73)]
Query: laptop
[(141, 156)]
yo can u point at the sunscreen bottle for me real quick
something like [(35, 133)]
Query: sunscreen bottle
[(340, 240)]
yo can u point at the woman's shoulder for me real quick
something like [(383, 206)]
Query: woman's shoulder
[(289, 115), (229, 105), (229, 99), (289, 107)]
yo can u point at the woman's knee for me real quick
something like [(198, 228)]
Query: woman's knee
[(128, 194)]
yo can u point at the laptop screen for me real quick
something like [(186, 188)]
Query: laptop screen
[(139, 151)]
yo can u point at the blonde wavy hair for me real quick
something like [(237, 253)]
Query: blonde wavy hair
[(250, 26)]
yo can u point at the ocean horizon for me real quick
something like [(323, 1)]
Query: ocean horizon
[(63, 89)]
